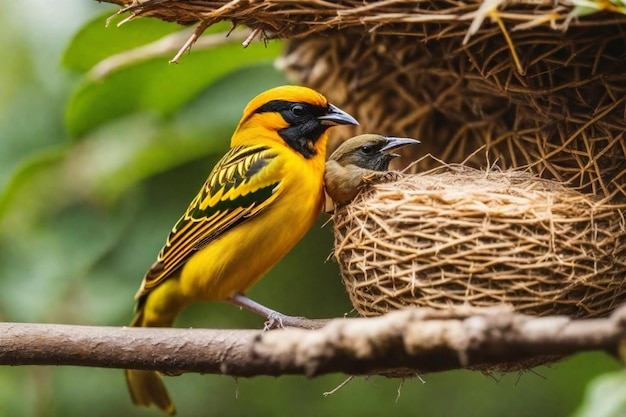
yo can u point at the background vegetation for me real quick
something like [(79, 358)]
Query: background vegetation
[(94, 172)]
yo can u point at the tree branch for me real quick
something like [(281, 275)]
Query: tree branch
[(405, 342)]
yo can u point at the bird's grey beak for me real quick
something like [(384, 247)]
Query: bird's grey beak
[(396, 143), (336, 116)]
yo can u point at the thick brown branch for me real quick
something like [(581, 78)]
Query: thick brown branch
[(415, 340)]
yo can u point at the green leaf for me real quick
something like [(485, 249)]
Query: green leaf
[(95, 41), (43, 267), (222, 103), (126, 152), (32, 167), (156, 86), (605, 397)]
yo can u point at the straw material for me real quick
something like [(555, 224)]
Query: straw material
[(459, 236), (292, 19)]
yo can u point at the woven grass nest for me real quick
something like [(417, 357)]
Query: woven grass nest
[(460, 236)]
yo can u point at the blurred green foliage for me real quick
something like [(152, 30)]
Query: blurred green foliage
[(94, 172), (605, 397)]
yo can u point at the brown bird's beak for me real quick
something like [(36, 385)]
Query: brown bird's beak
[(396, 143), (336, 116)]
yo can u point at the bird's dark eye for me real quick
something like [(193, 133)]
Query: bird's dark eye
[(298, 110), (367, 149)]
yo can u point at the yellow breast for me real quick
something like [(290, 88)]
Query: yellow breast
[(236, 260)]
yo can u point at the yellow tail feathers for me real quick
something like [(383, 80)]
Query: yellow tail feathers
[(146, 388)]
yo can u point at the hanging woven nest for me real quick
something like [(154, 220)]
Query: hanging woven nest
[(460, 236)]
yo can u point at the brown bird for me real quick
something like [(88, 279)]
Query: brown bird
[(360, 161)]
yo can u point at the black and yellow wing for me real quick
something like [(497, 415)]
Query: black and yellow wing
[(237, 189)]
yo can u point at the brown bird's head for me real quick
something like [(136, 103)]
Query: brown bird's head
[(370, 151)]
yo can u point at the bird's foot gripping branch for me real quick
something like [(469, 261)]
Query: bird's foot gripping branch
[(275, 320)]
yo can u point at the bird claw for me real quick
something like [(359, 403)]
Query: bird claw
[(274, 321), (391, 176), (381, 177)]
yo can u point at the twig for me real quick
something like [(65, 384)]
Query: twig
[(163, 47), (411, 340), (192, 39), (251, 37), (338, 387)]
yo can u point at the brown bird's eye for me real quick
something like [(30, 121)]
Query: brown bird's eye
[(298, 110), (367, 150)]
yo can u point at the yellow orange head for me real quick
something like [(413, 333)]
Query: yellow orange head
[(297, 116)]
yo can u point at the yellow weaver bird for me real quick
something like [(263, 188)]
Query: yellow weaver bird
[(360, 161), (257, 203)]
